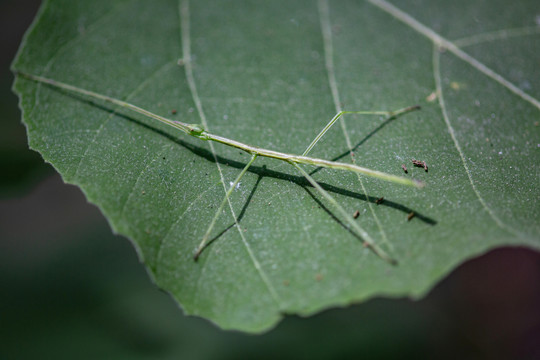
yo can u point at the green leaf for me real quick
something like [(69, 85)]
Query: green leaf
[(265, 75)]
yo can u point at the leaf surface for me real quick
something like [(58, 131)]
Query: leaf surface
[(264, 74)]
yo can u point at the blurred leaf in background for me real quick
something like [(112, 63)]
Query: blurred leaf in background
[(20, 167)]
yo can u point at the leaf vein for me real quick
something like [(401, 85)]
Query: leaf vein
[(186, 53), (326, 28), (450, 46), (141, 86), (143, 170), (165, 237), (501, 34), (73, 41), (442, 105)]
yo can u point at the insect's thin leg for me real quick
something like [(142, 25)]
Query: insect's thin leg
[(204, 241), (368, 241), (390, 114)]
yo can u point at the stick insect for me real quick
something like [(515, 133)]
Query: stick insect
[(199, 132)]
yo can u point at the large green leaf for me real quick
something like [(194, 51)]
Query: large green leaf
[(265, 75)]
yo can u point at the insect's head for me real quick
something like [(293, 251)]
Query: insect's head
[(198, 131)]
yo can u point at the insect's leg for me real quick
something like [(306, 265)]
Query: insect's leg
[(368, 241), (204, 241), (389, 114)]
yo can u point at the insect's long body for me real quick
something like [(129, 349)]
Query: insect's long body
[(198, 131)]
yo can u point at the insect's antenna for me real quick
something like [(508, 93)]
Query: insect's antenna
[(368, 241), (390, 115), (204, 240)]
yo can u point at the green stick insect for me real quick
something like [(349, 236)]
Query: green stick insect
[(199, 132)]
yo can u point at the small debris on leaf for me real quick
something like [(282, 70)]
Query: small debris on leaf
[(421, 164)]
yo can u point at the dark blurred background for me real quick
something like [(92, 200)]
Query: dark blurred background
[(70, 289)]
